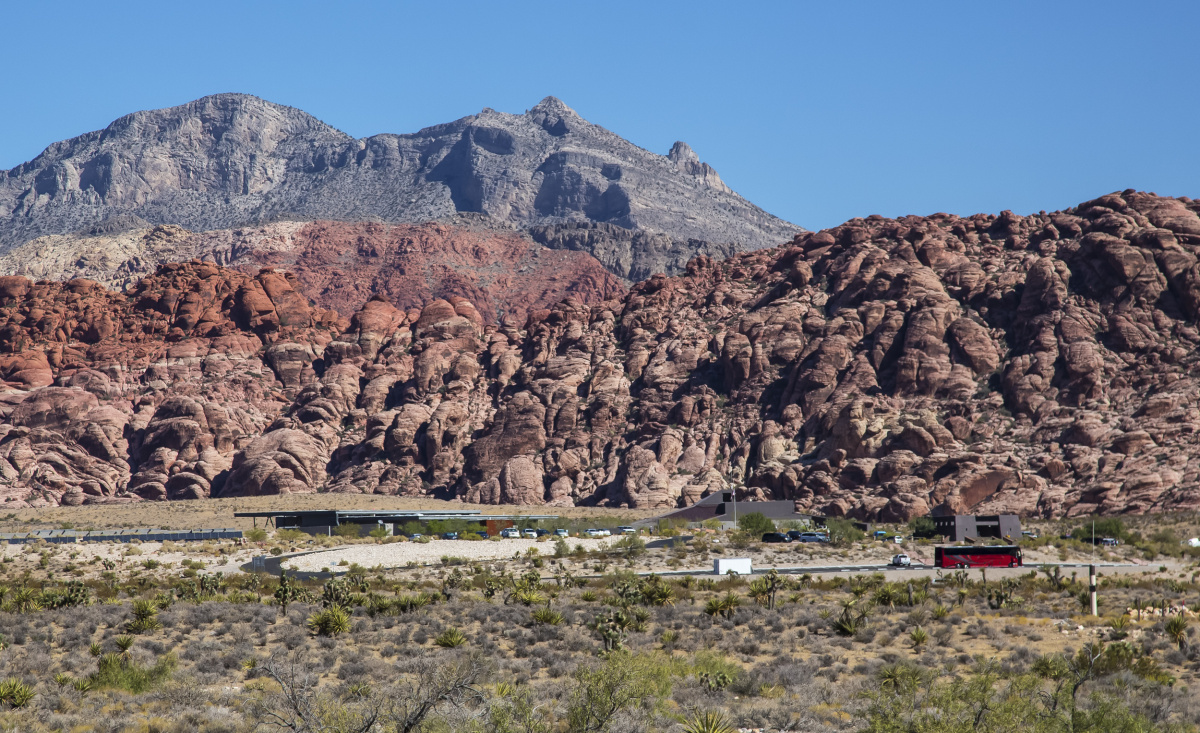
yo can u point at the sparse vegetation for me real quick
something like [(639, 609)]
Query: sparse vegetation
[(193, 646)]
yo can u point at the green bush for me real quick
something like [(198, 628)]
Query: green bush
[(347, 531), (755, 523), (258, 534), (1104, 527), (922, 527), (843, 532)]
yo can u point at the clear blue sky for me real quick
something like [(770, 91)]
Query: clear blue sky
[(817, 112)]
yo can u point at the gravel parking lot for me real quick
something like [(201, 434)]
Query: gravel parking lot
[(400, 554)]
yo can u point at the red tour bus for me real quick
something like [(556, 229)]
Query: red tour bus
[(996, 556)]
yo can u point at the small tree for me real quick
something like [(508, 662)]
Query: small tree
[(842, 531), (755, 523), (922, 526)]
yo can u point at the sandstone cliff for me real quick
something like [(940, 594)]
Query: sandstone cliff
[(1044, 364)]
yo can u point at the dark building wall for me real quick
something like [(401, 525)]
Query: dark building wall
[(963, 526)]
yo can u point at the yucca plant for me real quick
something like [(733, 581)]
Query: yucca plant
[(899, 677), (145, 617), (851, 620), (124, 643), (330, 622), (723, 606), (887, 595), (918, 637), (588, 596), (669, 638), (548, 616), (82, 686), (410, 603), (25, 600), (940, 612), (451, 638), (15, 692), (712, 721), (62, 679), (94, 650), (528, 597), (1176, 628)]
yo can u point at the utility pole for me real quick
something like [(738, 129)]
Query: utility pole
[(1092, 588)]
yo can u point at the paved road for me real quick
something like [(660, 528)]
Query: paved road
[(914, 570)]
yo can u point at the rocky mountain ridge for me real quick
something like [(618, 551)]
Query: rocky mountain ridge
[(881, 369), (233, 160)]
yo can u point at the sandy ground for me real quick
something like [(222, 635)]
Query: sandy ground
[(131, 554), (399, 554)]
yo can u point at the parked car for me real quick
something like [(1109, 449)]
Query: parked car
[(561, 533), (1109, 541), (776, 537), (795, 535), (1030, 534), (482, 533), (530, 534), (542, 532), (415, 536), (879, 534), (627, 530), (511, 533), (813, 537), (901, 561), (449, 535), (594, 533)]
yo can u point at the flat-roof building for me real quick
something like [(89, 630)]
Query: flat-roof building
[(322, 521), (721, 506), (961, 527)]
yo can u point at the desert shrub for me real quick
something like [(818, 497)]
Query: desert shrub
[(118, 672), (622, 683)]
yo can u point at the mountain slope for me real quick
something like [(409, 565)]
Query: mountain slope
[(231, 160), (340, 265), (1046, 365)]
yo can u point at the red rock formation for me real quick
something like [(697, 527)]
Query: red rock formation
[(1044, 364), (341, 265), (153, 390)]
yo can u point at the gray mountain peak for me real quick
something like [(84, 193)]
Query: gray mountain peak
[(230, 160), (681, 151)]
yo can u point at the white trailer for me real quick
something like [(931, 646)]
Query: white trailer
[(735, 565)]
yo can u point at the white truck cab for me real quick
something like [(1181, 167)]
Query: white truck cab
[(901, 561)]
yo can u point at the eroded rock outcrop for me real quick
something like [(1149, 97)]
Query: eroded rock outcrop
[(882, 369)]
